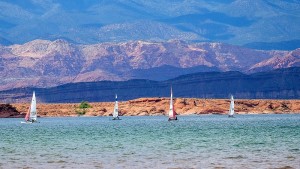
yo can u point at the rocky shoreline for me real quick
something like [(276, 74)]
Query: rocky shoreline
[(9, 111), (160, 106)]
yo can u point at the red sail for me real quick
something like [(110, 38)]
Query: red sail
[(27, 115), (174, 113)]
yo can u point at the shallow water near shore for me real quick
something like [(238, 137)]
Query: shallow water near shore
[(207, 141)]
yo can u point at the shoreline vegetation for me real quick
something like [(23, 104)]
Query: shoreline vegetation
[(160, 106)]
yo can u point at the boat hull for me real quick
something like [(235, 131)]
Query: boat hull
[(171, 119), (30, 122), (26, 122)]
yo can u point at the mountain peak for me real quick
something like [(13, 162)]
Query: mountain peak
[(49, 63)]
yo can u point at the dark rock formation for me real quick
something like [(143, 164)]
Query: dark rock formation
[(8, 111)]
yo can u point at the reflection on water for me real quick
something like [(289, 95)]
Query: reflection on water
[(208, 141)]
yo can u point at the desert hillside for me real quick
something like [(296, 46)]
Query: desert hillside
[(160, 106), (43, 63)]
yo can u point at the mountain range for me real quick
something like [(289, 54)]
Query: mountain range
[(275, 84), (43, 63), (260, 24)]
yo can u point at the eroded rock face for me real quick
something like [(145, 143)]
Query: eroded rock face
[(8, 111), (160, 106)]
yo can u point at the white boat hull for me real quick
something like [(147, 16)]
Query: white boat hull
[(29, 122), (26, 122)]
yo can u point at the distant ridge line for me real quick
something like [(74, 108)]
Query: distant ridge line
[(275, 84)]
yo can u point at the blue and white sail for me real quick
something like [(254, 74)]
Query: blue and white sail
[(116, 109), (231, 108)]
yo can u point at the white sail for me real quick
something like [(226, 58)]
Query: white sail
[(231, 109), (172, 113), (171, 105), (115, 113), (33, 113)]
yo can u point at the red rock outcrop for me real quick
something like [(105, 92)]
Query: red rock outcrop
[(8, 111), (160, 106)]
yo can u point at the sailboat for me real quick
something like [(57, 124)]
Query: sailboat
[(116, 110), (231, 109), (172, 113), (31, 115)]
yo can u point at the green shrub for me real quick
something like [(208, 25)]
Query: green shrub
[(84, 105), (81, 110)]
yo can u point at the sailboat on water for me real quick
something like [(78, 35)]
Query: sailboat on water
[(116, 110), (231, 109), (172, 113), (31, 115)]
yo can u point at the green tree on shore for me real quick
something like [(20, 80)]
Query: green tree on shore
[(81, 110)]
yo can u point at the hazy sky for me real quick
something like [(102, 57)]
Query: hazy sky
[(92, 21)]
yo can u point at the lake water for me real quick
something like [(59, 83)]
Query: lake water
[(207, 141)]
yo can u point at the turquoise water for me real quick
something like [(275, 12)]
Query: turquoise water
[(207, 141)]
